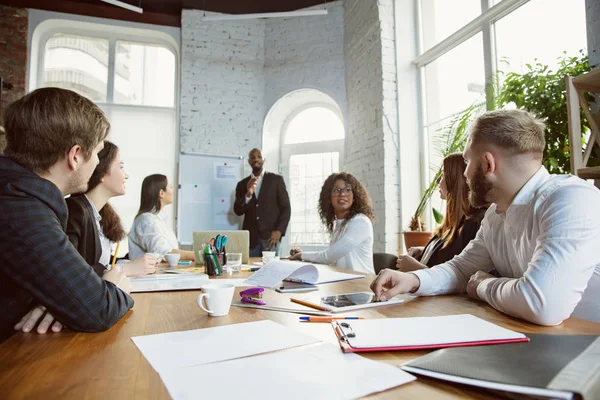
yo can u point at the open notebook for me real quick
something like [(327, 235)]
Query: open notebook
[(556, 366), (164, 282), (276, 271), (420, 333)]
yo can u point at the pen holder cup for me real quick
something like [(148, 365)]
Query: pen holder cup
[(213, 263)]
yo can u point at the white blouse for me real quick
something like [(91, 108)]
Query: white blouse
[(351, 246), (104, 242), (150, 233)]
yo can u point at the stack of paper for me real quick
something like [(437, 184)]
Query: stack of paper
[(205, 362), (274, 272)]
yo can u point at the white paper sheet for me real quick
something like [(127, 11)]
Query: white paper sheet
[(392, 332), (168, 282), (169, 351), (276, 271), (314, 372), (235, 282)]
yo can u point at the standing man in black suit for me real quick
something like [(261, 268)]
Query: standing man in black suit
[(263, 200)]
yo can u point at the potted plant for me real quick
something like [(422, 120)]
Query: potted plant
[(542, 91), (452, 138)]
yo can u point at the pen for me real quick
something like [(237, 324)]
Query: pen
[(326, 319), (115, 256)]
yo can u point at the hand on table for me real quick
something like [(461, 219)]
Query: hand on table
[(141, 266), (390, 283), (40, 314), (295, 254), (406, 263), (119, 279)]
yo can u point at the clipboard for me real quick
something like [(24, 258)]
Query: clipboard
[(407, 334)]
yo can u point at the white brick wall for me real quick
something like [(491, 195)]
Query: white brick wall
[(592, 11), (234, 71), (372, 122), (306, 52), (222, 84)]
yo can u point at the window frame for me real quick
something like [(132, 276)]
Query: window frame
[(102, 32)]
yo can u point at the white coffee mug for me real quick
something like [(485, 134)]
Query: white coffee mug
[(172, 259), (218, 298), (268, 256)]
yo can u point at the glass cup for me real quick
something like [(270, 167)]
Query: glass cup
[(268, 256), (234, 262)]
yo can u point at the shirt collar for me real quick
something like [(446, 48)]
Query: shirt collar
[(527, 192), (262, 173), (96, 213)]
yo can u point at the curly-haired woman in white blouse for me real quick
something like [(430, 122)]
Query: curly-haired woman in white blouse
[(150, 232)]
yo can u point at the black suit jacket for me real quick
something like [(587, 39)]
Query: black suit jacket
[(267, 213), (466, 233), (83, 232)]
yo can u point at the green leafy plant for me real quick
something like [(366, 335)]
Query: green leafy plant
[(451, 138), (542, 91)]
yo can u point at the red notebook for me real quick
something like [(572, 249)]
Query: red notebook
[(391, 334)]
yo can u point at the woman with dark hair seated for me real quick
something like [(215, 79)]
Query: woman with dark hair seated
[(93, 223), (345, 209), (150, 232), (460, 224)]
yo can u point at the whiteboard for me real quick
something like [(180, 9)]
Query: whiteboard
[(206, 194)]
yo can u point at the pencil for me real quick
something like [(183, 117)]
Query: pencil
[(115, 256), (307, 304), (326, 319)]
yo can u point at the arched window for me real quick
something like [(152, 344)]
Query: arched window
[(309, 126)]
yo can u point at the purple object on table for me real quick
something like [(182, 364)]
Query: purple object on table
[(252, 295)]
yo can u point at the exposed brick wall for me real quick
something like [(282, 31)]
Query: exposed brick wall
[(13, 52), (222, 84), (306, 52), (372, 123)]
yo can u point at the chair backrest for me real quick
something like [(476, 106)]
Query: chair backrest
[(383, 261), (237, 242)]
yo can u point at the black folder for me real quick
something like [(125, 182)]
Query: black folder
[(557, 366)]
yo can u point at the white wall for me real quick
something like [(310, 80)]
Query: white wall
[(222, 85)]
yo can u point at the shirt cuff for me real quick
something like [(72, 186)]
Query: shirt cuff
[(247, 199), (482, 289), (426, 286)]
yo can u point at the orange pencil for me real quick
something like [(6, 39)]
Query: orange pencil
[(115, 256), (307, 304)]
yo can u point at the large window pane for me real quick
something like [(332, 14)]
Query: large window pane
[(314, 124), (307, 174), (548, 27), (77, 63), (455, 80), (441, 18), (144, 75)]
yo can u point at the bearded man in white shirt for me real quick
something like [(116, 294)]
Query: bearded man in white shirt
[(541, 233)]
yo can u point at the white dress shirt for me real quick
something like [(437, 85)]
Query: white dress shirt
[(104, 242), (351, 246), (150, 233), (546, 248), (258, 185)]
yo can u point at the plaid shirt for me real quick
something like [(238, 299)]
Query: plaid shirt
[(38, 264)]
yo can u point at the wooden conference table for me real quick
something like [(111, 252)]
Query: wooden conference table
[(109, 365)]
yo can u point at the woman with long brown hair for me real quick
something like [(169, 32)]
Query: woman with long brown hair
[(150, 232), (94, 224), (460, 224), (345, 209)]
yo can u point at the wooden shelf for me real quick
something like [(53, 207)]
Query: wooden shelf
[(589, 173), (589, 82)]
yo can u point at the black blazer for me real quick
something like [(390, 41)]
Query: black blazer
[(82, 231), (466, 233), (270, 212)]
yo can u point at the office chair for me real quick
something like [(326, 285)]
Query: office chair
[(383, 261)]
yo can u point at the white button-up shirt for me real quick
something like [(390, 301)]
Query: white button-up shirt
[(150, 233), (104, 242), (546, 248), (258, 185)]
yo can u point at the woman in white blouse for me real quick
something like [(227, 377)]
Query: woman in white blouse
[(345, 209), (150, 232)]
